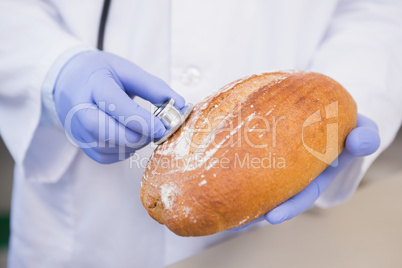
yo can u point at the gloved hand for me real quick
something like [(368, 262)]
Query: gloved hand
[(363, 140), (93, 98)]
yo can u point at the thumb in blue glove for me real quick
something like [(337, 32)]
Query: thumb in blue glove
[(93, 98), (363, 140)]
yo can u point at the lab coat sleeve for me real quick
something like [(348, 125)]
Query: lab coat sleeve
[(33, 39), (362, 50)]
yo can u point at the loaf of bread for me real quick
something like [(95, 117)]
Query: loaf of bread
[(246, 149)]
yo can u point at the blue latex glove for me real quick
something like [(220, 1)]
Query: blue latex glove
[(363, 140), (93, 98)]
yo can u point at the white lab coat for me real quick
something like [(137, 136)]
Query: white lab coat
[(69, 211)]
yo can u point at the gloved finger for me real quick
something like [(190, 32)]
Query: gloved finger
[(104, 147), (111, 99), (306, 198), (74, 135), (246, 225), (89, 148), (105, 158), (363, 121), (295, 205), (74, 130), (95, 146), (97, 126), (362, 141), (138, 82)]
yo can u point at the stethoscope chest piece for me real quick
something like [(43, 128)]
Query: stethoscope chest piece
[(171, 117)]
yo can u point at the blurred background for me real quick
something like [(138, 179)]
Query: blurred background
[(364, 232), (6, 180)]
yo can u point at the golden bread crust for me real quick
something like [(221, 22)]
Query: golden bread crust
[(246, 149)]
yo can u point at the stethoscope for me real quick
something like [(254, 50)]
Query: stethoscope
[(171, 117)]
